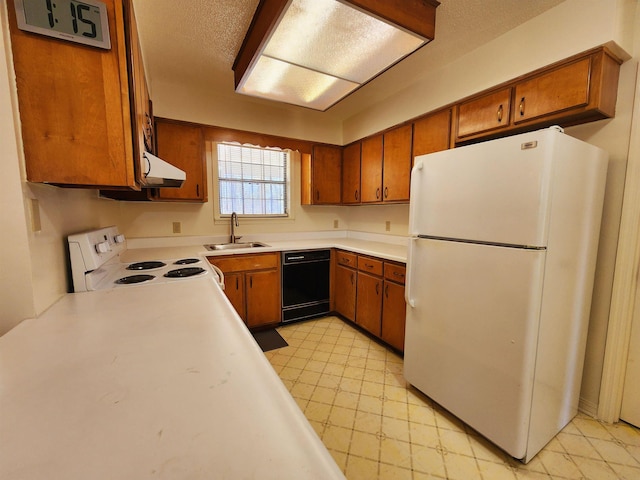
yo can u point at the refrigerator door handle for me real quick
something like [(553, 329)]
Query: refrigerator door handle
[(407, 292), (414, 189)]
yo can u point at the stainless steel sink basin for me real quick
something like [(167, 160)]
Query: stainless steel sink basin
[(234, 246)]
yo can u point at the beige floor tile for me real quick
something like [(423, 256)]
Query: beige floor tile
[(460, 467), (392, 472), (366, 445), (394, 452), (337, 438), (428, 461), (377, 426), (361, 468)]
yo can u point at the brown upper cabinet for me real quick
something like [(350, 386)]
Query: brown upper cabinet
[(84, 111), (372, 151), (182, 145), (351, 173), (485, 114), (432, 133), (322, 178), (397, 163), (386, 166), (580, 89)]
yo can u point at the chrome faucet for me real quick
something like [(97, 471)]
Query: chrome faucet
[(234, 223)]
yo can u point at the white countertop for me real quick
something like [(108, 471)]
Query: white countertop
[(389, 251), (158, 381)]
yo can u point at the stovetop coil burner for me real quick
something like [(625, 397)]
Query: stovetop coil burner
[(132, 279), (146, 265), (186, 261), (184, 272)]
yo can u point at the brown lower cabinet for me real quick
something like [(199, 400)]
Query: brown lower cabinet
[(252, 285), (370, 292)]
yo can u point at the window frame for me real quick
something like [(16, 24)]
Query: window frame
[(218, 215)]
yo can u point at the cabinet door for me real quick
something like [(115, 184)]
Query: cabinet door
[(263, 298), (351, 173), (397, 164), (487, 113), (432, 133), (326, 174), (561, 89), (372, 169), (345, 292), (393, 315), (74, 107), (369, 303), (234, 290), (182, 145)]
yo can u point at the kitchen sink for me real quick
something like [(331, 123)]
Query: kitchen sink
[(234, 246)]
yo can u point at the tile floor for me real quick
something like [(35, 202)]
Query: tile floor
[(377, 426)]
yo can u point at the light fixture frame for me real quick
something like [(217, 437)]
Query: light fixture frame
[(415, 16)]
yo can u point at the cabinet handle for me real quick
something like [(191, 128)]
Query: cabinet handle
[(377, 288), (377, 193), (317, 194), (500, 113), (386, 192), (237, 284), (356, 195), (386, 291), (197, 190), (398, 274), (522, 107), (250, 281), (351, 278), (368, 265)]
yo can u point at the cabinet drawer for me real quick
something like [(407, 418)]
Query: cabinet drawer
[(395, 272), (347, 258), (370, 265), (242, 263)]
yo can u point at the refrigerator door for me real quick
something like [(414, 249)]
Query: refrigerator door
[(497, 191), (471, 335)]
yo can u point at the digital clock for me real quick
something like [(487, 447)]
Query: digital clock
[(83, 21)]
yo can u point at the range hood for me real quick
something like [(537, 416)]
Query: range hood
[(158, 173)]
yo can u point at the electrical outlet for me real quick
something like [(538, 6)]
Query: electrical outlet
[(177, 227), (335, 223), (387, 226)]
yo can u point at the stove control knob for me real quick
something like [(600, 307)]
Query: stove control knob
[(102, 247), (119, 238)]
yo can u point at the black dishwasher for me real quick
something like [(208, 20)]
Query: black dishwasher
[(305, 284)]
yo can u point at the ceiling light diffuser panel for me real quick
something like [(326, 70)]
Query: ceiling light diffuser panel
[(319, 51)]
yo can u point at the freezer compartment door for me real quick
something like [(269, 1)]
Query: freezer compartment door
[(496, 191), (472, 322)]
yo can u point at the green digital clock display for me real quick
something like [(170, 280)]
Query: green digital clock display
[(83, 21)]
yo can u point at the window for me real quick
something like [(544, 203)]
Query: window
[(252, 180)]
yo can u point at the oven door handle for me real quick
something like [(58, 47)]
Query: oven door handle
[(220, 276)]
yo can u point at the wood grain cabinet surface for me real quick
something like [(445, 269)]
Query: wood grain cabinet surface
[(322, 176), (369, 291), (252, 284), (84, 111), (351, 174), (577, 90), (182, 145)]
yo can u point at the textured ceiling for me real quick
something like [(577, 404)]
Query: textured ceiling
[(196, 41)]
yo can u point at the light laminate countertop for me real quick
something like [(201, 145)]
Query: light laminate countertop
[(158, 381)]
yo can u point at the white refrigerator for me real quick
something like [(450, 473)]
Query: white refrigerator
[(503, 243)]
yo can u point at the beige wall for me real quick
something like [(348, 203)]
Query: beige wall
[(33, 264), (554, 35)]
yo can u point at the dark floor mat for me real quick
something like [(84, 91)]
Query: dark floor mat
[(269, 340)]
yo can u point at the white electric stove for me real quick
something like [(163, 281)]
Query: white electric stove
[(95, 264)]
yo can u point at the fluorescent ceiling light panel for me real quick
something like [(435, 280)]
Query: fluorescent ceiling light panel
[(322, 50)]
